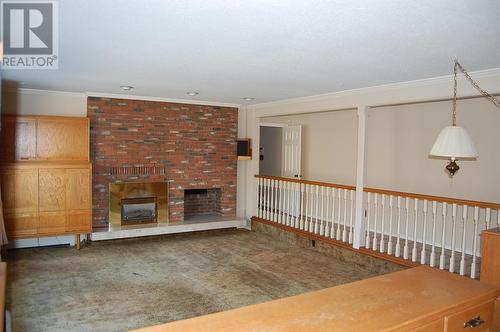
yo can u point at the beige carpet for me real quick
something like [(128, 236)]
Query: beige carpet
[(126, 284)]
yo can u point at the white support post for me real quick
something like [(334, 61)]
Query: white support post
[(359, 224)]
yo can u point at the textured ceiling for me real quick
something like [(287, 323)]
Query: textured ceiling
[(268, 50)]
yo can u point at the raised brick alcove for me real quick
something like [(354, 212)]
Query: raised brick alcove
[(195, 144)]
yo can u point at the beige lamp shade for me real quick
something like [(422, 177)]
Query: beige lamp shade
[(454, 142)]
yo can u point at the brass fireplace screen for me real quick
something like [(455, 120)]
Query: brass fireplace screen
[(138, 203)]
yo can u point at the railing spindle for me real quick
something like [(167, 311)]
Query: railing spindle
[(322, 222), (382, 239), (301, 221), (351, 219), (344, 230), (464, 234), (316, 213), (327, 218), (375, 227), (391, 215), (332, 229), (443, 234), (368, 209), (398, 239), (339, 197), (433, 246), (423, 253), (407, 214), (453, 240), (474, 243), (415, 223)]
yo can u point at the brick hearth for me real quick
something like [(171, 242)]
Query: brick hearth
[(196, 145)]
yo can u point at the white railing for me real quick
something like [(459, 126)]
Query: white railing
[(320, 208), (437, 231)]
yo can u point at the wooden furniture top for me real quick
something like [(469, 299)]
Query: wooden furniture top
[(492, 231), (397, 301), (3, 282)]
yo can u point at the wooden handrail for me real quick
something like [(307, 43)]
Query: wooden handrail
[(449, 200), (316, 183)]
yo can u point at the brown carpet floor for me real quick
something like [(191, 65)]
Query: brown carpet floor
[(126, 284)]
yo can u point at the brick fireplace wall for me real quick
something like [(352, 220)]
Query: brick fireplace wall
[(195, 144)]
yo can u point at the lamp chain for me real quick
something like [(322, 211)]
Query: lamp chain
[(485, 94)]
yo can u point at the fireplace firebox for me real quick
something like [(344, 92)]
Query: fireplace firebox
[(138, 203), (138, 210)]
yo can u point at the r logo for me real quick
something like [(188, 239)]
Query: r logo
[(27, 27)]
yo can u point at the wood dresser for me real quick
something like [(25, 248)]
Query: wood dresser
[(416, 299), (45, 176)]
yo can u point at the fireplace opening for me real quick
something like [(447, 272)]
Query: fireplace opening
[(138, 210), (202, 203)]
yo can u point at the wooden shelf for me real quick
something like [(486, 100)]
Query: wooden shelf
[(244, 158)]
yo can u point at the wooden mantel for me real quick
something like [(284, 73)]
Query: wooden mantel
[(420, 299)]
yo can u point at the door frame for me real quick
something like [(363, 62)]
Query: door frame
[(266, 124)]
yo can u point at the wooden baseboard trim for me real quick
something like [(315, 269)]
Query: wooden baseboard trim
[(364, 251)]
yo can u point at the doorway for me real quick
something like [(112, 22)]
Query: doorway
[(270, 150)]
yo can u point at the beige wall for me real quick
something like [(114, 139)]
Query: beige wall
[(328, 144), (399, 139), (35, 102)]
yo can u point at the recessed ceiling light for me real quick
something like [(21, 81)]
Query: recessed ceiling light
[(192, 93), (126, 87), (249, 98)]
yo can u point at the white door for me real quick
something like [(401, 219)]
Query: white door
[(292, 158)]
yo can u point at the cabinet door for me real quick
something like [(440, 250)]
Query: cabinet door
[(18, 137), (52, 223), (62, 139), (52, 189), (78, 189), (79, 222), (19, 190), (21, 224)]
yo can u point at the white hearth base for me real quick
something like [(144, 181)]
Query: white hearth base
[(194, 225)]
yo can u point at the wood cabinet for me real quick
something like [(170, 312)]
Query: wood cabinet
[(490, 256), (45, 176)]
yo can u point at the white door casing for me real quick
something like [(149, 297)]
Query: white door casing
[(291, 164)]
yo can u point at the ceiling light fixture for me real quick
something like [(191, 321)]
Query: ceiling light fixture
[(454, 142), (126, 87), (192, 93), (249, 98)]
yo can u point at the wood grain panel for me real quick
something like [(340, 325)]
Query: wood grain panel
[(21, 225), (490, 262), (436, 326), (52, 189), (52, 223), (18, 137), (79, 222), (63, 139), (78, 189), (19, 192)]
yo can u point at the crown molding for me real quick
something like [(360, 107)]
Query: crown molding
[(45, 92), (402, 92), (160, 99)]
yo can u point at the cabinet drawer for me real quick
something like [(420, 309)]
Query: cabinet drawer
[(436, 326), (21, 225), (79, 222), (52, 223), (483, 314)]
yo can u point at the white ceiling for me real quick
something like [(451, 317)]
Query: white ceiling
[(266, 49)]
